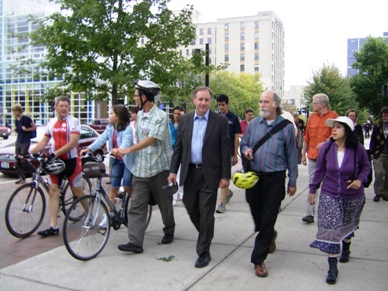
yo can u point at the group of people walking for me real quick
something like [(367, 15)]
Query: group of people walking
[(197, 150)]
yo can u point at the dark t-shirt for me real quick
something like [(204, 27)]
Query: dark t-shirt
[(23, 136), (234, 128)]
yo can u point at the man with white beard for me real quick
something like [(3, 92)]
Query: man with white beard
[(270, 161)]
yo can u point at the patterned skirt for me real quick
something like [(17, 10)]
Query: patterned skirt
[(338, 218)]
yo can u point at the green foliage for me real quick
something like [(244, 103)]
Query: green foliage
[(328, 80), (372, 63), (244, 90), (102, 47), (166, 259)]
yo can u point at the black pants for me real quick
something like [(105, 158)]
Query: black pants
[(264, 201), (200, 202), (20, 149)]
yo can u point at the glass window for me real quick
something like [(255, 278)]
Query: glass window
[(226, 26), (242, 46), (226, 58), (242, 36), (201, 41), (256, 35), (242, 57), (201, 31), (242, 68), (242, 25), (256, 24), (256, 45), (209, 30), (209, 40), (226, 37), (226, 47), (256, 57), (256, 67)]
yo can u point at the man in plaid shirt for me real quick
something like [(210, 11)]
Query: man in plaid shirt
[(151, 168)]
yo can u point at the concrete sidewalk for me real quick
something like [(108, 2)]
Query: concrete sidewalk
[(293, 266)]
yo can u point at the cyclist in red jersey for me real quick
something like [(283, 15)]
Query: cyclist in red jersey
[(65, 133)]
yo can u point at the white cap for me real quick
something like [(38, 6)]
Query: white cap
[(342, 119)]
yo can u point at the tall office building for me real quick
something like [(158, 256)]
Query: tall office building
[(355, 45), (251, 44)]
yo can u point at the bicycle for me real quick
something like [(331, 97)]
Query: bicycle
[(85, 239), (27, 205)]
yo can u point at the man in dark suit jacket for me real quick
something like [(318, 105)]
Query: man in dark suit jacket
[(202, 149)]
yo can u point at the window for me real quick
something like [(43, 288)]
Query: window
[(187, 52), (226, 58), (256, 35), (242, 46), (242, 68), (256, 24), (256, 45), (242, 36), (201, 41), (209, 30), (193, 42), (256, 67), (256, 57), (209, 40), (226, 37), (242, 25), (201, 31), (226, 26), (242, 57), (226, 47)]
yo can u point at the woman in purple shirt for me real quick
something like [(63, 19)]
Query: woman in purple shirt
[(342, 168)]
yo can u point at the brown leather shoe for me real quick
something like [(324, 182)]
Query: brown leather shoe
[(272, 245), (261, 270)]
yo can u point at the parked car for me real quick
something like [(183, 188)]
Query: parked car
[(99, 124), (5, 132), (7, 161)]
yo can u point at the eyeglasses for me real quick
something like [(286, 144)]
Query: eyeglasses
[(250, 115)]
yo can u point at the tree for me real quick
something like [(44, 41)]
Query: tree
[(328, 80), (372, 63), (102, 47), (243, 90)]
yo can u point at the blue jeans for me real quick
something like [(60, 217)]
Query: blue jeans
[(120, 172)]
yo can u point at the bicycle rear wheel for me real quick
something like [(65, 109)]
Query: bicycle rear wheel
[(25, 210), (83, 238), (128, 205), (69, 198)]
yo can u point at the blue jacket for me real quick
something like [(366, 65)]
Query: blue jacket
[(124, 140)]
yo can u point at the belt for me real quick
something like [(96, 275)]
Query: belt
[(198, 166)]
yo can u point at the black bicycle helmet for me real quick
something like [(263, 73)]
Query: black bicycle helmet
[(149, 87), (55, 167)]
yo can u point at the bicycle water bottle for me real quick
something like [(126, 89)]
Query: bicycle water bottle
[(47, 181)]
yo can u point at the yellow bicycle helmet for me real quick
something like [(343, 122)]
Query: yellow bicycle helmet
[(245, 180)]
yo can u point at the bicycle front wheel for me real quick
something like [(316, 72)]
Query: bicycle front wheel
[(69, 198), (84, 238), (25, 210)]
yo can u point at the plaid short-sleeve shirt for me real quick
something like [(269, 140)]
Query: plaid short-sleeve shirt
[(155, 158)]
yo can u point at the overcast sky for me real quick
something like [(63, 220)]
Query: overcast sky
[(316, 32)]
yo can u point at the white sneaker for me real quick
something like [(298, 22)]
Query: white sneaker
[(104, 221)]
